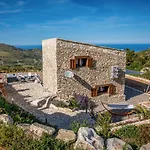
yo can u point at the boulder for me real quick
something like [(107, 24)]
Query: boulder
[(6, 119), (117, 144), (89, 140), (66, 135), (2, 148), (24, 126), (145, 147), (39, 129)]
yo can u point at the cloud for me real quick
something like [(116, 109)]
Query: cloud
[(10, 11), (20, 3)]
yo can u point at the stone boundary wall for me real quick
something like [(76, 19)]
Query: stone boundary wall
[(146, 81), (135, 123)]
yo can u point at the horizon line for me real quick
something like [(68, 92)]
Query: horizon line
[(84, 42)]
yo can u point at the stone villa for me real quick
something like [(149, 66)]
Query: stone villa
[(98, 72)]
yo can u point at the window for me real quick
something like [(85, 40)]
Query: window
[(81, 61), (102, 89)]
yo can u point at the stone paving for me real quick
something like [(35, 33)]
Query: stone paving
[(35, 99)]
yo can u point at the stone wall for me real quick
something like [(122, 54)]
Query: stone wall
[(56, 60), (49, 65), (86, 78)]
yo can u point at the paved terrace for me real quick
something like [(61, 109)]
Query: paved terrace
[(35, 99)]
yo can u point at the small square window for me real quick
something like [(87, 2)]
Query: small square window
[(82, 62), (102, 89)]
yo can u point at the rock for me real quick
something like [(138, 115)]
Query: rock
[(89, 140), (39, 129), (24, 126), (145, 147), (6, 119), (2, 148), (117, 144), (66, 135)]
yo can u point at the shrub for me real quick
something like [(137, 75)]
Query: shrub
[(73, 103), (59, 103), (14, 138), (135, 136), (130, 131), (18, 114), (143, 112), (79, 101), (143, 134), (76, 125), (104, 120)]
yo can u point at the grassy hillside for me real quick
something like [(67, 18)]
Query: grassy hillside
[(15, 59), (138, 61)]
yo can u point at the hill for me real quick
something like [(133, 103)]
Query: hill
[(14, 59), (139, 61)]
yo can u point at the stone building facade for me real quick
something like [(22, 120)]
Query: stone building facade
[(92, 68)]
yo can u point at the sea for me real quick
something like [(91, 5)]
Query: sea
[(135, 47)]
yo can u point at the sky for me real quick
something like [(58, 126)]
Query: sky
[(28, 22)]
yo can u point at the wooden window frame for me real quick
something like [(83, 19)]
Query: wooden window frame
[(88, 63), (105, 85), (111, 90)]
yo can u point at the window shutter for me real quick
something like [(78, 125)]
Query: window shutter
[(72, 64), (111, 89), (93, 92), (90, 62)]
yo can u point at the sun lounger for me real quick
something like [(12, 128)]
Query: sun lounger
[(128, 109)]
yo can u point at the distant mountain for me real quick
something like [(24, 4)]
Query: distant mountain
[(13, 59)]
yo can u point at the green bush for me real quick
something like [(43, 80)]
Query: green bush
[(103, 120), (143, 134), (130, 131), (18, 114), (146, 75), (73, 103), (143, 112), (76, 125), (59, 103), (135, 136), (13, 138)]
